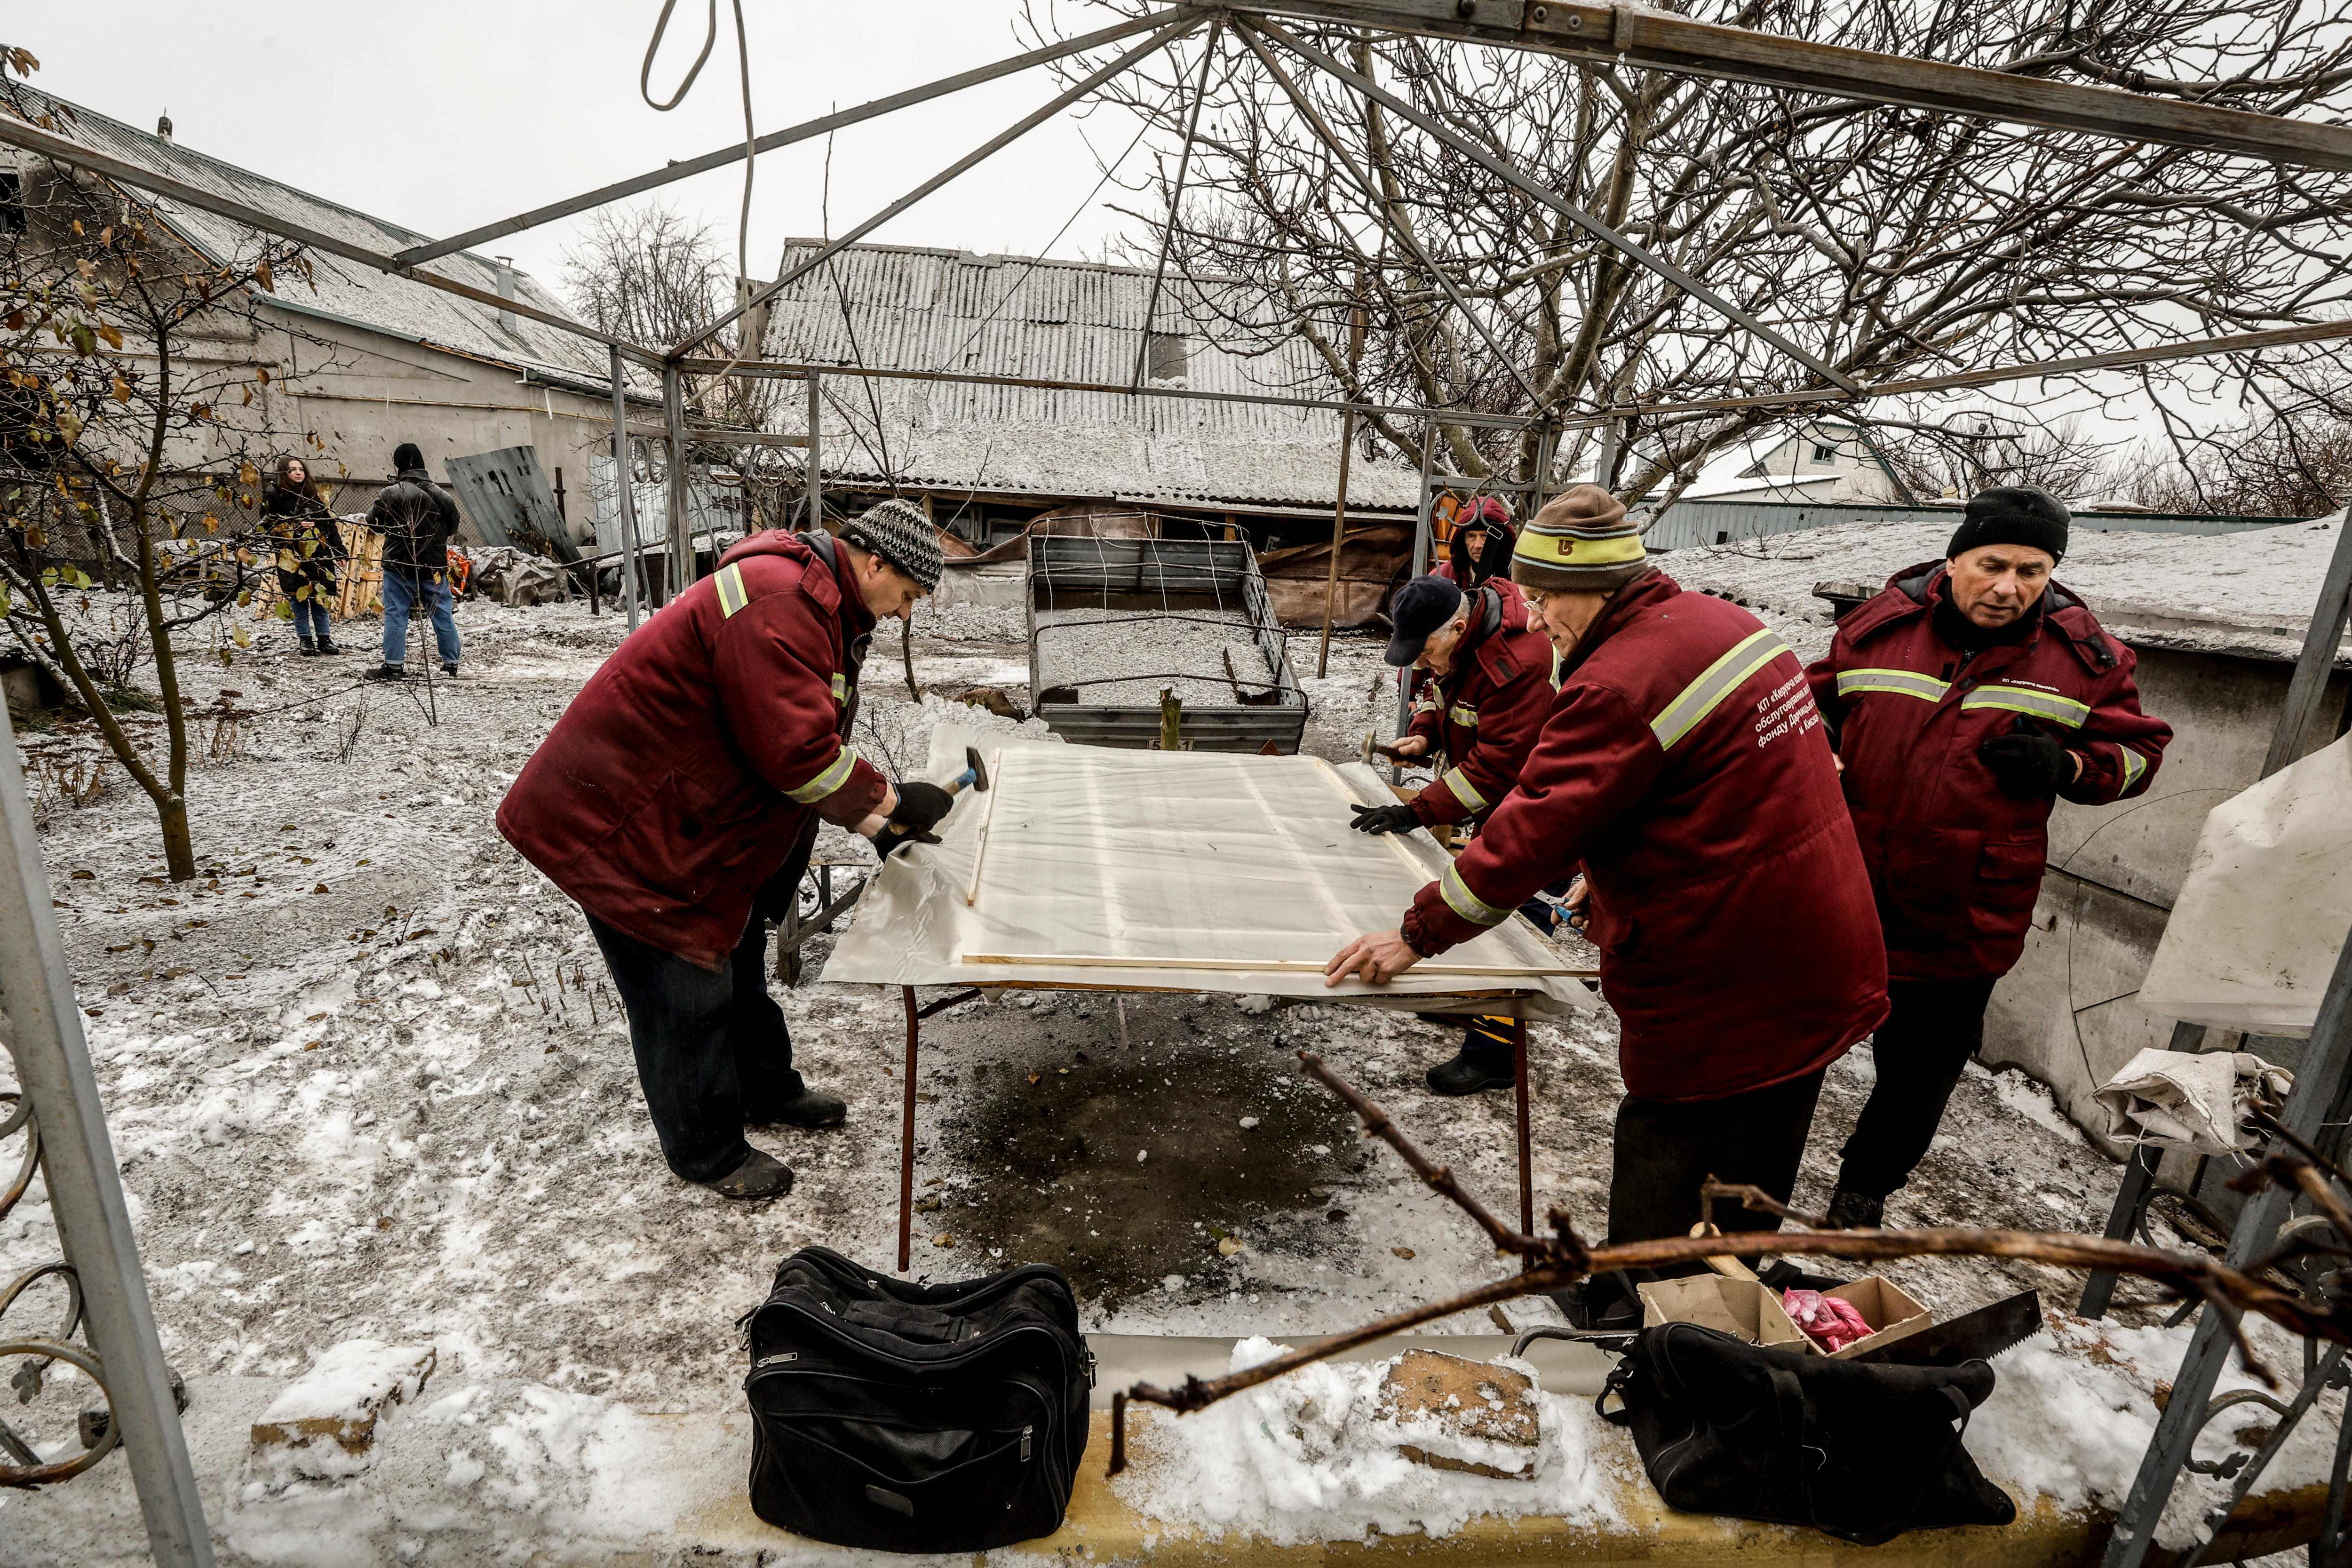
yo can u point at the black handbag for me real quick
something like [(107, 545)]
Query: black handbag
[(1858, 1450), (914, 1417)]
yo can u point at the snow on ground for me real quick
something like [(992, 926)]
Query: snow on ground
[(367, 1081), (1310, 1458)]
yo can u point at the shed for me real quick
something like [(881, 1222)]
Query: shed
[(987, 457), (365, 360)]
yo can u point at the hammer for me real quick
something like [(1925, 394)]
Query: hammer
[(974, 776), (1386, 750)]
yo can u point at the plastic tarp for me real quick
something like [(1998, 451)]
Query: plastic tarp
[(2266, 906), (1086, 867), (2196, 1100)]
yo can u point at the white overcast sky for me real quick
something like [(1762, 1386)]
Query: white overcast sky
[(441, 116)]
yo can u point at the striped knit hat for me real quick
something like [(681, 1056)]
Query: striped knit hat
[(1581, 540), (897, 532)]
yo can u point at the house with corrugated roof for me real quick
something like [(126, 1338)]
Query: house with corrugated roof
[(987, 458), (362, 360)]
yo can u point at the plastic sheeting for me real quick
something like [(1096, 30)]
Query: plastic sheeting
[(2196, 1100), (2266, 906), (1089, 867)]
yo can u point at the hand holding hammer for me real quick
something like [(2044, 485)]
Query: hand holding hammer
[(1405, 749), (921, 807)]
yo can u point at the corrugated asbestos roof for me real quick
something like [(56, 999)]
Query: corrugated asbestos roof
[(344, 289), (911, 309)]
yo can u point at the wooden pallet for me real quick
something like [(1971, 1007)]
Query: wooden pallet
[(359, 580)]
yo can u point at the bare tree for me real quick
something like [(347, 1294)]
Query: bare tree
[(123, 444), (1976, 450), (2290, 458), (651, 275), (1886, 241)]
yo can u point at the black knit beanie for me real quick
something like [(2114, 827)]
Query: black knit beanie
[(2013, 515), (407, 456)]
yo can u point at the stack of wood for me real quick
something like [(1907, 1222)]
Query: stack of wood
[(359, 578)]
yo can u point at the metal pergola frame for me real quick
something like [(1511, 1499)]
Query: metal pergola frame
[(54, 1062)]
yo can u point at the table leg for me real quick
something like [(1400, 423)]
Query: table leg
[(906, 1139), (1526, 1170)]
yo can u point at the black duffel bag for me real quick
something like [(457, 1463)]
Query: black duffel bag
[(1859, 1450), (914, 1417)]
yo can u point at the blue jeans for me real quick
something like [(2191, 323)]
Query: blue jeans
[(401, 594), (310, 619)]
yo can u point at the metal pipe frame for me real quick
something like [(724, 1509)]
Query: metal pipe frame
[(1388, 219), (33, 138), (2318, 1091), (1638, 35), (625, 494), (1624, 245), (815, 456), (796, 370), (1176, 198), (679, 556), (823, 125), (986, 150), (85, 1186)]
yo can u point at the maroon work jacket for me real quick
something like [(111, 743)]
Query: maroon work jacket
[(1684, 766), (1485, 712), (694, 760), (1955, 862)]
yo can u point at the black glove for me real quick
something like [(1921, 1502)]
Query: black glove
[(1396, 818), (2029, 765), (921, 807)]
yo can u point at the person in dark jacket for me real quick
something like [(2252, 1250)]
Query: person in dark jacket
[(1684, 767), (1480, 549), (1963, 699), (684, 787), (417, 519), (1488, 690), (298, 526)]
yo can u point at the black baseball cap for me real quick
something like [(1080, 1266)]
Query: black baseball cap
[(1421, 607)]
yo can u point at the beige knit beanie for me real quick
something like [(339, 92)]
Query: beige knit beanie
[(1581, 540)]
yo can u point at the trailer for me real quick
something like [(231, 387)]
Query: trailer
[(1115, 623)]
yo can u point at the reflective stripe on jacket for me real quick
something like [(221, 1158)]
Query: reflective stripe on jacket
[(1955, 863), (1685, 766), (1487, 712), (681, 777)]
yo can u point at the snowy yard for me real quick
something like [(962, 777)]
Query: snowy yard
[(367, 1081)]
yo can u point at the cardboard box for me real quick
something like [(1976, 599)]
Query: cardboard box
[(1740, 1307), (1884, 1305)]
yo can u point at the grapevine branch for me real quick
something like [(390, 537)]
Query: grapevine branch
[(1562, 1258)]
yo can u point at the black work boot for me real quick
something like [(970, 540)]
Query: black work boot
[(307, 648), (386, 672), (1599, 1306), (1850, 1210), (810, 1108), (327, 645), (761, 1176), (1471, 1072)]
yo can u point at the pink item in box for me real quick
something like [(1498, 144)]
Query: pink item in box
[(1830, 1322)]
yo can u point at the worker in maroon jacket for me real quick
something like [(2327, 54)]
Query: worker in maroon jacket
[(692, 774), (1488, 689), (1684, 767), (1963, 699), (1480, 549)]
